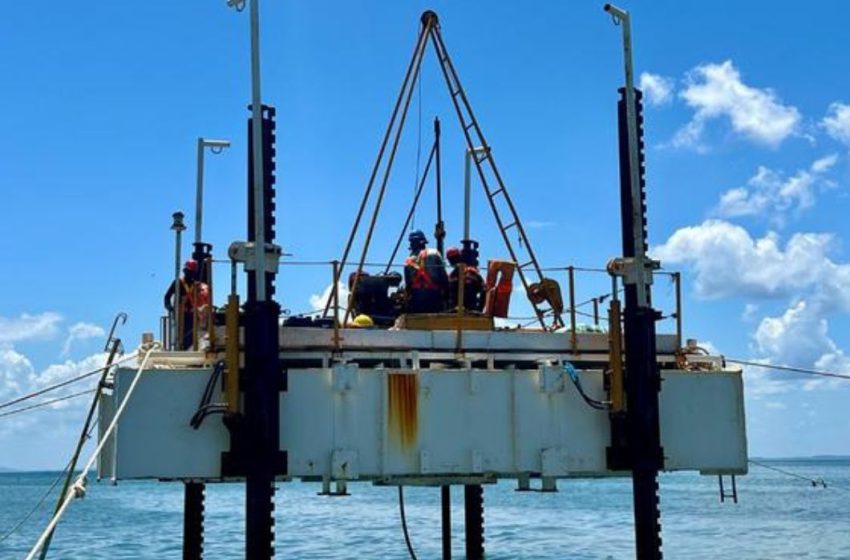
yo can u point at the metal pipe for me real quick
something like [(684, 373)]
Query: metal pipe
[(216, 146), (440, 228), (335, 296), (178, 227), (467, 187), (677, 279), (571, 273), (596, 311), (257, 140)]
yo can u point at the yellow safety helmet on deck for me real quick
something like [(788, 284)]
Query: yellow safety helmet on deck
[(363, 321)]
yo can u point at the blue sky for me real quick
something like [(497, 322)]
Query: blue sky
[(747, 168)]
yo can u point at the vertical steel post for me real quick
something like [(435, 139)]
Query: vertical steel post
[(473, 504), (446, 515), (643, 453), (677, 278), (571, 273), (199, 192), (467, 190), (193, 520), (177, 315), (335, 296), (440, 228)]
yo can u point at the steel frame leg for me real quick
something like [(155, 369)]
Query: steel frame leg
[(473, 502), (446, 510), (193, 520)]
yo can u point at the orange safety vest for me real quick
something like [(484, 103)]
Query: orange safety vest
[(421, 279), (195, 296)]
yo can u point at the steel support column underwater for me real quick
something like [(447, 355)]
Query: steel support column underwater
[(263, 378), (473, 504), (642, 379), (193, 520), (446, 511)]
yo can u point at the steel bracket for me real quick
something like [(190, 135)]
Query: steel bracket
[(627, 269), (245, 252)]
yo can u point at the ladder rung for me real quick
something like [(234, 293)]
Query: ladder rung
[(509, 226), (529, 263), (456, 92), (494, 193), (470, 125)]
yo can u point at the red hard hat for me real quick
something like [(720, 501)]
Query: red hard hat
[(191, 265), (452, 252)]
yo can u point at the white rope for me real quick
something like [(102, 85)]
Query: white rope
[(78, 488)]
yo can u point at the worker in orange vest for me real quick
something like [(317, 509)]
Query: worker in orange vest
[(425, 278), (473, 283), (195, 303)]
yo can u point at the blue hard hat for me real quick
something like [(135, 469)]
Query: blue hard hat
[(417, 236)]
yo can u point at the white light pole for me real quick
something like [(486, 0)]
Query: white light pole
[(259, 264), (621, 17), (216, 147)]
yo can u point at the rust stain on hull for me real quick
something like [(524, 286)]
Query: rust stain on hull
[(403, 393)]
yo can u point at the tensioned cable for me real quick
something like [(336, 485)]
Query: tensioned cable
[(47, 402), (813, 481), (64, 383), (404, 522), (789, 368)]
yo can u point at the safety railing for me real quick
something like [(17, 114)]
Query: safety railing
[(591, 309)]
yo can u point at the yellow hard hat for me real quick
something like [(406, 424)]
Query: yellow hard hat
[(362, 321)]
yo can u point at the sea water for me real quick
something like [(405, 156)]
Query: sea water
[(777, 517)]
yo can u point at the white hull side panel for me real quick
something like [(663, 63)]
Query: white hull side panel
[(339, 423)]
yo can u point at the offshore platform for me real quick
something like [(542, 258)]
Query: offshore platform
[(441, 400)]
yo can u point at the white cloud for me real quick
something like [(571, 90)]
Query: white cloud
[(15, 370), (81, 331), (728, 262), (716, 90), (19, 377), (29, 327), (837, 122), (800, 338), (768, 192), (319, 301), (658, 90), (539, 224)]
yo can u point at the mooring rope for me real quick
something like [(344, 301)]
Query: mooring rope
[(78, 489)]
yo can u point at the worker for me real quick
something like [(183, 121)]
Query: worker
[(473, 290), (195, 303), (425, 278)]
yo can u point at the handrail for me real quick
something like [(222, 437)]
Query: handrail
[(573, 308)]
